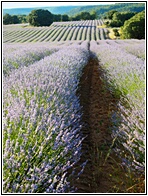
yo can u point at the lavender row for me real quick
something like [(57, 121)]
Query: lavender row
[(22, 55), (42, 122), (58, 31), (79, 23), (23, 34), (135, 47), (125, 75)]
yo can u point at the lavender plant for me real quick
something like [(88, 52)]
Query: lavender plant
[(58, 31), (125, 75), (135, 47), (27, 54), (42, 122)]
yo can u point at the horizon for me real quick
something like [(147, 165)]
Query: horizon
[(15, 5)]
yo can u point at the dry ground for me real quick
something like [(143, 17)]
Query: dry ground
[(103, 172)]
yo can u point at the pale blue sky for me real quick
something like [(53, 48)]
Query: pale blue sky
[(7, 5)]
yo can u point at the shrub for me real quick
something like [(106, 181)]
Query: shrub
[(134, 27), (40, 17), (116, 33)]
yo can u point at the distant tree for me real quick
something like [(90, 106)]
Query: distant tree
[(64, 17), (115, 23), (93, 15), (85, 16), (116, 33), (122, 16), (78, 17), (7, 19), (57, 17), (22, 18), (107, 23), (75, 18), (15, 19), (109, 15), (118, 18), (40, 17), (134, 27)]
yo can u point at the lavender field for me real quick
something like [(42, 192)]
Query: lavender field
[(58, 31), (125, 73), (43, 137)]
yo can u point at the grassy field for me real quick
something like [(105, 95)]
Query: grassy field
[(73, 110)]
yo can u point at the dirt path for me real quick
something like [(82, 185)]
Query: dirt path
[(103, 172), (97, 104)]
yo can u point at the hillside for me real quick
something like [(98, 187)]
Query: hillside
[(73, 10), (102, 9), (26, 11)]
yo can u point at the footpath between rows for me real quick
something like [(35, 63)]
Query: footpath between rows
[(104, 172)]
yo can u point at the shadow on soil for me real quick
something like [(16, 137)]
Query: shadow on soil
[(103, 172), (98, 104)]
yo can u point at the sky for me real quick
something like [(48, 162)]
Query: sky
[(8, 5)]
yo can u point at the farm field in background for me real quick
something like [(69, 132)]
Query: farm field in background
[(58, 31), (47, 72)]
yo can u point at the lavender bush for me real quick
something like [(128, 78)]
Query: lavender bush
[(42, 122), (58, 31), (135, 47), (15, 57), (125, 75)]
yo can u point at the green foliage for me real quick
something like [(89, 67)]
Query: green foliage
[(22, 18), (60, 18), (34, 18), (123, 16), (14, 19), (107, 23), (116, 33), (93, 15), (40, 17), (101, 10), (85, 16), (134, 28), (57, 17), (8, 19), (64, 17), (115, 23), (118, 18), (109, 15)]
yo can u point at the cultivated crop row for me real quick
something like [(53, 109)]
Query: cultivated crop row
[(125, 75), (135, 47), (42, 123), (58, 31), (42, 116), (79, 23), (24, 55)]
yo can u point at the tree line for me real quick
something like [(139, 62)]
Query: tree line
[(117, 19), (14, 19), (42, 17), (131, 24)]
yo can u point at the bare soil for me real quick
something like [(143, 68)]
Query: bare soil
[(103, 172), (97, 103)]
